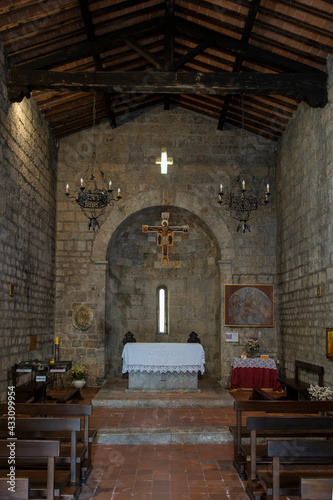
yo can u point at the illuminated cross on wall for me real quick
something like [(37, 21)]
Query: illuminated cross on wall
[(165, 234), (164, 161)]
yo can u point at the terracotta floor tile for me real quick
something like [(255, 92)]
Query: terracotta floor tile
[(162, 472)]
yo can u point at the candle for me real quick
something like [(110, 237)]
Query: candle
[(81, 182), (67, 188), (110, 185), (221, 188), (118, 191), (267, 188), (57, 340), (243, 185)]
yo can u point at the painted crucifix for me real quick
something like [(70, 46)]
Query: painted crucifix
[(165, 234)]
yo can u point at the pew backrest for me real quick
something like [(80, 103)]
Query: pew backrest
[(319, 488), (286, 427), (305, 449), (37, 449), (41, 427)]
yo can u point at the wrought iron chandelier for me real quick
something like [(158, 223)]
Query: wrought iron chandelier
[(93, 198), (242, 203)]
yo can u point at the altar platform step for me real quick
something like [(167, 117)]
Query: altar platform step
[(164, 435), (114, 394)]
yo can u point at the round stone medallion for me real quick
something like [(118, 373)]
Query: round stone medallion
[(82, 317)]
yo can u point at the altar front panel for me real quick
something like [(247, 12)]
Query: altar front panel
[(163, 366), (163, 357)]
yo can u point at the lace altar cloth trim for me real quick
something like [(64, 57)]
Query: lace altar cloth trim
[(163, 357), (164, 369), (254, 363)]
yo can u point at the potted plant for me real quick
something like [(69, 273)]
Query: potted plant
[(78, 372), (252, 346)]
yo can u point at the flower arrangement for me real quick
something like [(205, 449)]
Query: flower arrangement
[(78, 372), (319, 393), (252, 344)]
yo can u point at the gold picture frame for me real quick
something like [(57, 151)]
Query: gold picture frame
[(249, 305), (329, 343)]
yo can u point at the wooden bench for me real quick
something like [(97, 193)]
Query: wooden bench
[(318, 488), (296, 388), (287, 482), (243, 408), (86, 435), (21, 492), (30, 390), (260, 394), (48, 429), (280, 427), (50, 482)]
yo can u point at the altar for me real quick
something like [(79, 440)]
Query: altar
[(161, 367)]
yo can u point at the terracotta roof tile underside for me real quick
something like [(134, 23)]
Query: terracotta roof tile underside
[(220, 37)]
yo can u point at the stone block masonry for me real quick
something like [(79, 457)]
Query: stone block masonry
[(27, 231), (116, 269)]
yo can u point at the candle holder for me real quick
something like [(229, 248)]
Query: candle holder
[(242, 203)]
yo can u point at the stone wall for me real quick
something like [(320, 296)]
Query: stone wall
[(27, 231), (203, 157), (305, 229)]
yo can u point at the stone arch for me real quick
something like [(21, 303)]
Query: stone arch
[(134, 270)]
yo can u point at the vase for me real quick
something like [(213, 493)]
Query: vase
[(79, 383)]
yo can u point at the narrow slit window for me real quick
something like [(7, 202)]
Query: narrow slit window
[(162, 310)]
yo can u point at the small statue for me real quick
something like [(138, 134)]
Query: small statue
[(129, 337), (193, 338)]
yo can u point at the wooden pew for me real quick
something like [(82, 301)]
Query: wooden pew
[(50, 482), (287, 482), (46, 429), (22, 489), (259, 394), (316, 488), (84, 411), (242, 408), (283, 427), (296, 388)]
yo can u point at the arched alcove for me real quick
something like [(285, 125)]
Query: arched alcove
[(135, 271)]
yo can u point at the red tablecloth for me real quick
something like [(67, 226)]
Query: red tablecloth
[(257, 376)]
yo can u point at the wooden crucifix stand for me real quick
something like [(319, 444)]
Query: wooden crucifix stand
[(165, 234)]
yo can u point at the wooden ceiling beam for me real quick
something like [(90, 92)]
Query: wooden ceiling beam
[(239, 59), (308, 87), (237, 47), (149, 56), (87, 49), (97, 59)]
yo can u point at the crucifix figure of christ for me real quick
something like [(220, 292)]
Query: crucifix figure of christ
[(165, 234)]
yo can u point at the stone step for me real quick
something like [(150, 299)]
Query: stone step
[(164, 435)]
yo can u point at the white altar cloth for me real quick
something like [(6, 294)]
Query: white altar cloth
[(254, 363), (163, 357)]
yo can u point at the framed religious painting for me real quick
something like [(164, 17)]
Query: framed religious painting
[(329, 342), (249, 305)]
